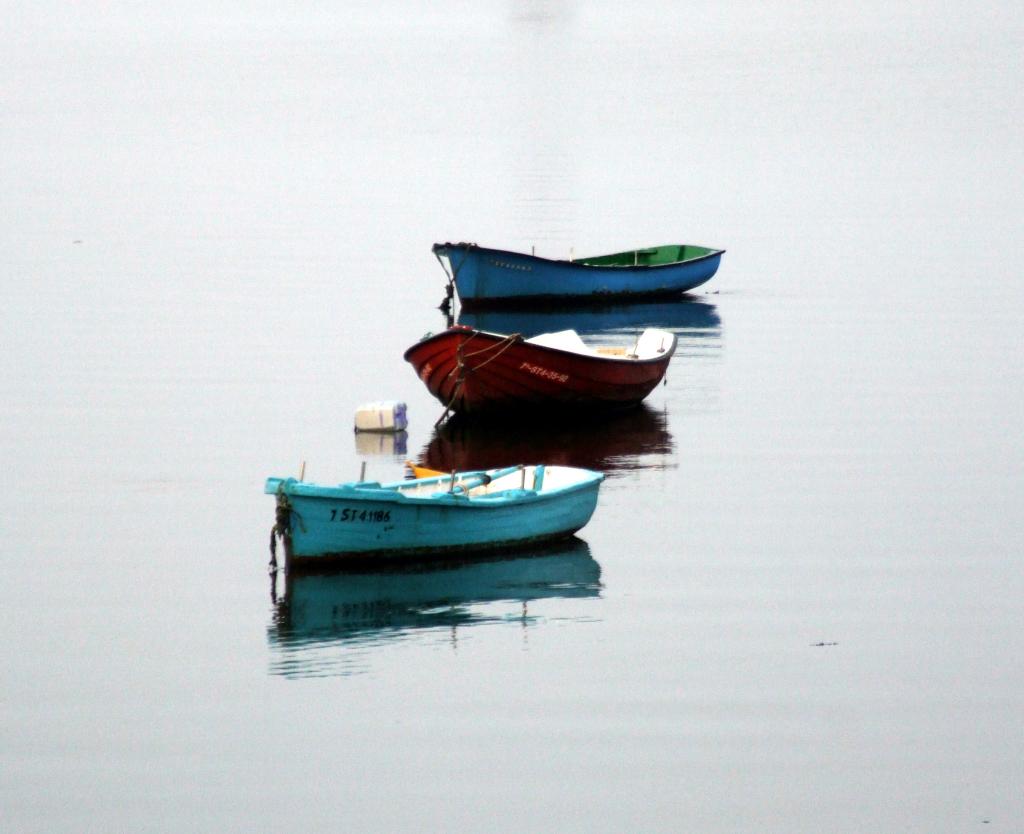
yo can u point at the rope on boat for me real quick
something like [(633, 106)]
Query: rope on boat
[(282, 528), (446, 303), (501, 347), (448, 408), (463, 369)]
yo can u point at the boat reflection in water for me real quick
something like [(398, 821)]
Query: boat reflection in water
[(381, 444), (686, 317), (611, 443), (327, 624)]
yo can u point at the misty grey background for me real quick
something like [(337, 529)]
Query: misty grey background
[(215, 243)]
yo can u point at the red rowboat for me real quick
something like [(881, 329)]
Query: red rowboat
[(471, 371)]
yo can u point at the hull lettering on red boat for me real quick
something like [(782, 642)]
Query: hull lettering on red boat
[(537, 370)]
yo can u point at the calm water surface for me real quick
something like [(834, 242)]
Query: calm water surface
[(798, 606)]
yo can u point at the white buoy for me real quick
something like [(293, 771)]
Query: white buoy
[(382, 416)]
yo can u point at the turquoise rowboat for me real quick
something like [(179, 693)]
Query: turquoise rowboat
[(494, 277), (467, 511)]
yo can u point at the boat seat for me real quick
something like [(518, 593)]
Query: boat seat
[(562, 340), (652, 342)]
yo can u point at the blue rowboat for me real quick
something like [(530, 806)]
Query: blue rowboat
[(467, 511), (494, 277)]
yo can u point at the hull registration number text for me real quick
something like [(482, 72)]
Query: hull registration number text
[(537, 370), (374, 516)]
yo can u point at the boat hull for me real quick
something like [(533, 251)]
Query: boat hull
[(472, 371), (494, 277), (358, 522)]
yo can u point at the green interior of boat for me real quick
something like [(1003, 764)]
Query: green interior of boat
[(652, 256)]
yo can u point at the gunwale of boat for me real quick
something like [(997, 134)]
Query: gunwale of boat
[(644, 258), (610, 353), (512, 484)]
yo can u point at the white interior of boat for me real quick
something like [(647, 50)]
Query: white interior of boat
[(649, 345), (540, 478)]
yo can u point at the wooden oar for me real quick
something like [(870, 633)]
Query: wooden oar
[(463, 486), (484, 478)]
